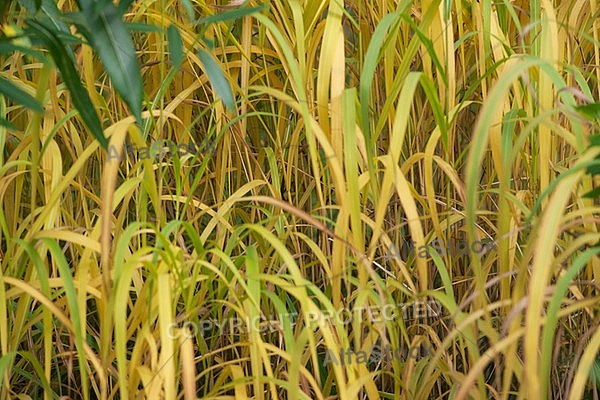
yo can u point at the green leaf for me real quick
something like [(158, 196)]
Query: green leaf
[(232, 14), (7, 124), (368, 73), (217, 79), (189, 8), (123, 6), (595, 372), (5, 362), (595, 140), (65, 65), (509, 122), (594, 169), (210, 43), (10, 90), (175, 46), (54, 16), (592, 194), (109, 37), (66, 38), (591, 111), (7, 47), (74, 314), (428, 44), (30, 5)]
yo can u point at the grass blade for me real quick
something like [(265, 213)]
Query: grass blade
[(175, 46), (112, 41), (79, 95), (12, 91), (217, 79), (232, 15)]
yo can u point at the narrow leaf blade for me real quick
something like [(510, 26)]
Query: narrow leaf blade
[(592, 194), (175, 45), (12, 91), (591, 111), (7, 124), (232, 14), (79, 95), (112, 41), (217, 79), (189, 8)]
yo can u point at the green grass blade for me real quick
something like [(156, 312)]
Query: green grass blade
[(79, 95), (13, 92), (71, 294), (175, 45), (217, 79), (112, 41), (232, 15)]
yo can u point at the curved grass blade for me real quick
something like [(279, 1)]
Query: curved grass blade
[(549, 332)]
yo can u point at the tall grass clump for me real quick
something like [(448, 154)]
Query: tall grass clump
[(327, 135)]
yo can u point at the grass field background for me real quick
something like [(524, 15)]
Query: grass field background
[(332, 132)]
